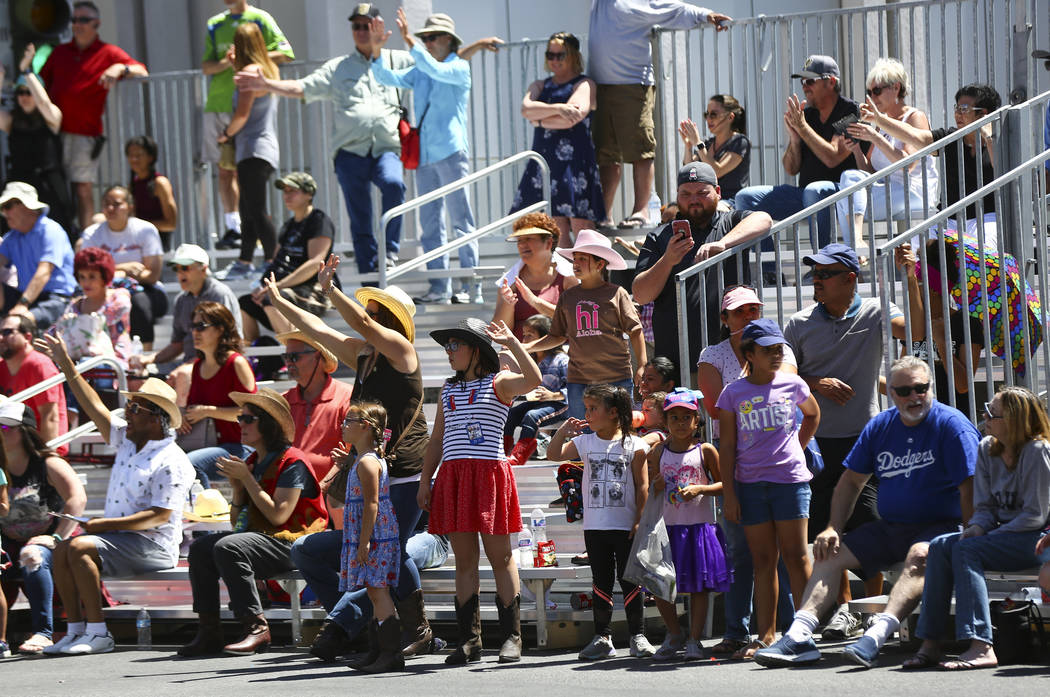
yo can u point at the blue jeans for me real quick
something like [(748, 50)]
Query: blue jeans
[(530, 416), (785, 200), (355, 173), (38, 586), (953, 561), (575, 390), (203, 460), (433, 234), (738, 599), (317, 556), (427, 551)]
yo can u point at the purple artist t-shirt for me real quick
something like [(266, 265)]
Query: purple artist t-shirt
[(767, 447)]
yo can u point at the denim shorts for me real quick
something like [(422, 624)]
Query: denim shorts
[(761, 502)]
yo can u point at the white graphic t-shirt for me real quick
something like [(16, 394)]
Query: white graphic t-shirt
[(608, 481)]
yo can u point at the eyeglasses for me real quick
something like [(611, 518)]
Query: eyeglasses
[(247, 418), (920, 388), (452, 346), (361, 26), (7, 332), (876, 91), (555, 55), (988, 412), (138, 408), (714, 114), (967, 108), (825, 274), (293, 356), (430, 37), (353, 420), (83, 20), (200, 326)]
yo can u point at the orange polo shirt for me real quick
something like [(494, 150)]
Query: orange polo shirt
[(318, 424)]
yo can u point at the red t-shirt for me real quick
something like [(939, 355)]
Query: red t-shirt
[(71, 77), (324, 430), (215, 392), (36, 367)]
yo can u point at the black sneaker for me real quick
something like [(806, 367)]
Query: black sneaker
[(231, 240)]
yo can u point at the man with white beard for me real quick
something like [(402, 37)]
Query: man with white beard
[(923, 454)]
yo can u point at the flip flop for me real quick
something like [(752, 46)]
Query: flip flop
[(35, 644), (920, 661), (727, 647), (747, 652), (633, 222), (960, 664)]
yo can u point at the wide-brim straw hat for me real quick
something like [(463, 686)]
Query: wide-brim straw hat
[(163, 395), (209, 507), (593, 242), (397, 301), (273, 403), (439, 23), (330, 361), (471, 330)]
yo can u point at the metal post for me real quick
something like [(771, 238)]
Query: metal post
[(1020, 50), (661, 88)]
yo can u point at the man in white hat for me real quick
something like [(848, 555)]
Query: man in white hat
[(141, 525), (40, 251)]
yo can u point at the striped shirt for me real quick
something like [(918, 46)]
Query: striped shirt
[(474, 420)]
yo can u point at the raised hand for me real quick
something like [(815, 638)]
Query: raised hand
[(870, 112), (380, 35), (27, 58), (52, 346), (270, 284), (326, 272), (506, 295), (500, 333), (402, 24)]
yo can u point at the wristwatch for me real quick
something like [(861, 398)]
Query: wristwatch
[(24, 301)]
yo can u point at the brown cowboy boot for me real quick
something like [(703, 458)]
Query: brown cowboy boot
[(390, 658), (256, 638), (209, 637), (510, 627), (468, 617), (373, 647), (416, 636)]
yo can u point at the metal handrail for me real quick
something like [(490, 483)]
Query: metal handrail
[(443, 191), (59, 378)]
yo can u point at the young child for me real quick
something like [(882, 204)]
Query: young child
[(544, 403), (5, 563), (765, 482), (615, 487), (593, 317), (371, 552), (685, 472), (649, 422)]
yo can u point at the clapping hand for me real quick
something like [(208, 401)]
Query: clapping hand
[(690, 133), (506, 294), (794, 115), (869, 112), (380, 35), (233, 468)]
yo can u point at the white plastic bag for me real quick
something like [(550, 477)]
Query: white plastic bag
[(649, 564)]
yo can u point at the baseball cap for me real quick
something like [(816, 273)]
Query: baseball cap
[(835, 253), (741, 295), (683, 397), (817, 66), (298, 180), (764, 332), (364, 9), (17, 414), (188, 254), (697, 173)]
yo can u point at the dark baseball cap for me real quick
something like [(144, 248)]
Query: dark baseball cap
[(764, 332), (834, 254), (817, 66), (364, 9), (697, 173)]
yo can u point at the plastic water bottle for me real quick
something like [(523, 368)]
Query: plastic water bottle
[(654, 209), (145, 629), (136, 346), (195, 491), (539, 526), (525, 548)]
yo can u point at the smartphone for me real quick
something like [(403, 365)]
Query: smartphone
[(680, 228), (844, 123)]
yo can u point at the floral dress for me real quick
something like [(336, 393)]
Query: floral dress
[(384, 558), (576, 191)]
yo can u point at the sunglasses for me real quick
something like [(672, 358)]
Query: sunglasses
[(876, 91), (430, 37), (247, 418), (825, 274), (7, 332), (810, 81), (555, 55), (714, 114), (22, 93), (966, 108), (138, 408), (920, 388), (452, 346), (83, 20), (200, 326), (361, 26), (988, 412), (293, 357), (179, 268)]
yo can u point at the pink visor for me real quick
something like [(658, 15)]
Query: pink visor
[(739, 296)]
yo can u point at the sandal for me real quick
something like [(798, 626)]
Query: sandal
[(727, 646), (35, 644), (633, 222), (920, 661), (747, 652), (966, 665)]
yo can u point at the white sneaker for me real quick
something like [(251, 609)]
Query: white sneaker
[(91, 643), (461, 298), (640, 647), (671, 646), (843, 625), (236, 271), (59, 647), (600, 647), (694, 651)]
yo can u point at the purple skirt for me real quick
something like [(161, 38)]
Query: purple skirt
[(699, 555)]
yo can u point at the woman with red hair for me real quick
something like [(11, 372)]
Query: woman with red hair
[(109, 307)]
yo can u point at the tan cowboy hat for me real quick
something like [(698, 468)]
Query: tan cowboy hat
[(163, 395), (395, 300), (209, 507), (273, 403), (330, 361), (439, 23)]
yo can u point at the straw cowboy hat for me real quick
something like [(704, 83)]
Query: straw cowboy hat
[(395, 300), (209, 507), (471, 330), (591, 242), (273, 403), (330, 361), (163, 395), (439, 23)]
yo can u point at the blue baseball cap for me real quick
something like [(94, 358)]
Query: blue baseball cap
[(683, 397), (835, 253), (764, 332)]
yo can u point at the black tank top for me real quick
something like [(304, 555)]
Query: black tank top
[(34, 150), (399, 393), (31, 497)]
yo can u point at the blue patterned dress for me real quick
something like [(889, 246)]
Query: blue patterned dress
[(576, 191), (384, 558)]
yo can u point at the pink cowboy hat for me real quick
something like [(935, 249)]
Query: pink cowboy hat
[(592, 242)]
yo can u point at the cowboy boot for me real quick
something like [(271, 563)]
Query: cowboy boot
[(508, 443), (256, 638), (416, 636), (468, 617), (390, 658), (209, 637), (510, 627), (331, 642), (373, 647), (523, 449)]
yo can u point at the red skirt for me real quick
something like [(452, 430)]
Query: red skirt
[(475, 496)]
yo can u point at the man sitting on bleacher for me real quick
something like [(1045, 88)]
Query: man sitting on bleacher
[(141, 526), (923, 454), (21, 367)]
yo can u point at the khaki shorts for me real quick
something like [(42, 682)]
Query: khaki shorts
[(76, 158), (623, 124), (222, 155)]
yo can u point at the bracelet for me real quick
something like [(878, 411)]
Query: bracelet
[(58, 538)]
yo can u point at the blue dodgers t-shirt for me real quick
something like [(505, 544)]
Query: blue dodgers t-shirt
[(920, 467)]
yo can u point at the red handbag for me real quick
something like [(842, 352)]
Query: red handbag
[(409, 139)]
